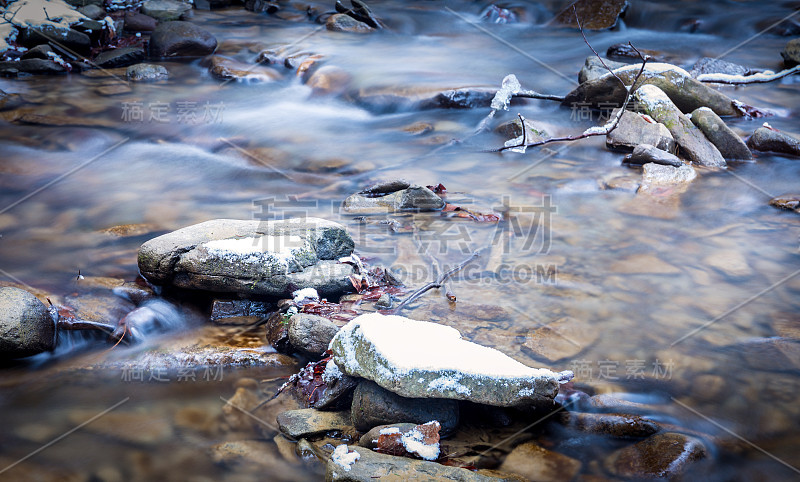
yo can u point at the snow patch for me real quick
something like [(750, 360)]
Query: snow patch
[(389, 430), (331, 373), (344, 458), (445, 383), (304, 293), (278, 249), (413, 443)]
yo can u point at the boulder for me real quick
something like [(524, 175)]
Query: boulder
[(307, 422), (272, 258), (181, 39), (373, 406), (791, 53), (534, 462), (340, 22), (31, 66), (412, 198), (662, 456), (708, 65), (645, 154), (146, 73), (95, 12), (593, 68), (121, 57), (42, 34), (419, 359), (772, 140), (311, 334), (165, 10), (692, 142), (593, 14), (138, 22), (684, 91), (634, 129), (26, 327), (730, 145)]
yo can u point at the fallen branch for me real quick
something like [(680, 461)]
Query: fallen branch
[(759, 78)]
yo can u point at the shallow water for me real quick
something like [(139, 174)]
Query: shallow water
[(636, 277)]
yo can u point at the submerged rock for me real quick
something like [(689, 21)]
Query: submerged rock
[(560, 339), (309, 421), (26, 327), (412, 198), (419, 359), (537, 463), (645, 154), (634, 129), (340, 22), (786, 201), (730, 145), (181, 39), (146, 73), (593, 14), (121, 57), (772, 140), (690, 139), (252, 257), (662, 456), (373, 406), (611, 424), (165, 10)]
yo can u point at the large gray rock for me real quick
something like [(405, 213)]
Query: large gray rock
[(311, 334), (373, 406), (645, 154), (730, 145), (662, 456), (165, 10), (633, 130), (684, 91), (181, 39), (418, 359), (691, 140), (251, 257), (593, 68), (772, 140), (413, 198), (661, 175), (708, 65), (26, 327)]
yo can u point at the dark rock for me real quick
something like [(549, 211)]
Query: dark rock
[(165, 10), (611, 424), (373, 406), (277, 332), (785, 27), (791, 53), (43, 51), (370, 439), (666, 455), (772, 140), (310, 421), (633, 130), (261, 6), (730, 145), (121, 57), (344, 23), (211, 4), (593, 14), (139, 22), (69, 38), (181, 39), (414, 198), (645, 153), (311, 334), (459, 99), (513, 129), (221, 308), (26, 327), (338, 392), (593, 68), (786, 201), (146, 73), (93, 28), (692, 142), (95, 12), (32, 66), (626, 52), (708, 65), (537, 463)]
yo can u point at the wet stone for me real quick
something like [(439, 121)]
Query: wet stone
[(513, 129), (139, 22), (772, 140), (181, 39), (645, 154), (228, 69), (221, 308), (791, 53), (309, 421), (146, 73), (657, 174), (560, 339), (593, 68), (729, 144), (344, 23), (786, 201), (537, 463), (594, 14), (370, 439), (165, 10), (311, 334), (121, 57), (666, 455), (611, 424), (94, 12), (708, 65), (623, 51), (26, 327), (633, 129), (414, 198)]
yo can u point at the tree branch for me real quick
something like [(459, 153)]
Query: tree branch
[(759, 78)]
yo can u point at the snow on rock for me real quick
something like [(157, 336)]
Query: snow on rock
[(419, 359), (55, 14), (344, 458), (413, 442), (305, 293)]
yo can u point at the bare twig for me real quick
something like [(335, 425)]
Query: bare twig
[(439, 282), (531, 94), (759, 78)]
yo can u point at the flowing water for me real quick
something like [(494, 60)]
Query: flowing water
[(636, 277)]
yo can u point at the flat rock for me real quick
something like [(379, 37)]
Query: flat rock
[(537, 463), (791, 53), (769, 139), (340, 22), (26, 327), (413, 198), (146, 73), (418, 359), (560, 339), (252, 257), (692, 142), (165, 10), (311, 334), (593, 14), (647, 154), (611, 424), (121, 57), (729, 144), (229, 69), (634, 129), (593, 68), (307, 422), (684, 91), (373, 406), (660, 175), (665, 455), (181, 39)]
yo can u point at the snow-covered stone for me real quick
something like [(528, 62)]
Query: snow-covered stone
[(419, 359), (344, 458)]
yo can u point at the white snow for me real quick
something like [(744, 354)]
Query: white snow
[(596, 130), (766, 76), (304, 293), (503, 96), (389, 430), (344, 458), (412, 441), (36, 13), (517, 141), (448, 383), (654, 68), (651, 96), (331, 373), (257, 249)]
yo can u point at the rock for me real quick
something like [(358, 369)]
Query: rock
[(730, 145), (372, 466), (645, 154), (373, 406), (146, 73), (770, 139), (67, 37), (370, 439), (386, 349), (691, 140), (307, 422), (121, 57), (338, 390), (329, 80), (611, 424), (32, 66), (277, 332), (708, 65), (228, 69), (513, 129), (43, 51), (537, 463), (560, 339), (593, 14), (770, 354), (181, 39), (593, 68), (666, 455), (165, 10), (95, 12), (786, 325), (791, 53), (633, 129), (224, 308), (626, 52), (229, 453), (26, 327), (623, 183), (459, 99), (385, 301), (141, 428), (786, 201), (139, 22), (413, 198), (660, 175), (311, 334), (684, 91), (272, 258), (340, 22)]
